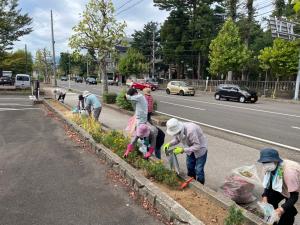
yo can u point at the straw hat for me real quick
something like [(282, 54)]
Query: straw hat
[(147, 91)]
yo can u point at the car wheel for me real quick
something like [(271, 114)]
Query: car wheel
[(153, 89), (168, 91), (181, 92), (242, 99), (253, 101), (218, 97), (192, 94)]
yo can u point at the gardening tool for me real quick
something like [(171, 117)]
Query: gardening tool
[(186, 183), (173, 161)]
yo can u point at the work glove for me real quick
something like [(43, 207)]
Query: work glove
[(178, 150), (129, 149), (149, 153), (166, 147)]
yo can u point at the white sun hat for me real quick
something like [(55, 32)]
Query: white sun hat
[(174, 126), (85, 94)]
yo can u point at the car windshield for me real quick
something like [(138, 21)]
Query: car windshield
[(182, 84), (244, 88), (92, 79)]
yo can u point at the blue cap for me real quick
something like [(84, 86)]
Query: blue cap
[(269, 155)]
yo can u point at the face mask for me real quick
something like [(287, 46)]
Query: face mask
[(181, 135), (269, 167)]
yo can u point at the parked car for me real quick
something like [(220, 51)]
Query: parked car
[(6, 81), (143, 85), (22, 81), (90, 80), (235, 92), (63, 78), (78, 79), (180, 87)]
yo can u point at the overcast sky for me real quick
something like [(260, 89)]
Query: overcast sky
[(66, 15)]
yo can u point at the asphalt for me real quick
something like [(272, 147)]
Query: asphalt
[(277, 122), (45, 178)]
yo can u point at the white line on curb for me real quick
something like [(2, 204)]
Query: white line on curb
[(298, 128), (234, 132), (232, 106), (183, 105)]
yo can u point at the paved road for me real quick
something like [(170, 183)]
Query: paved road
[(47, 179), (271, 121)]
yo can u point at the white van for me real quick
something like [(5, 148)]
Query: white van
[(22, 81)]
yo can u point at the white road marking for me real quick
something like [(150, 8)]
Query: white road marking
[(13, 104), (11, 109), (232, 106), (13, 99), (298, 128), (234, 132), (190, 107)]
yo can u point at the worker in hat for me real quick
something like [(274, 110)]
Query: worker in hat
[(150, 138), (150, 101), (194, 144), (140, 105), (92, 103), (61, 92), (281, 182)]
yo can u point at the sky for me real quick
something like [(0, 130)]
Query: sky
[(66, 14)]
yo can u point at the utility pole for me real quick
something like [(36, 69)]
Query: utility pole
[(26, 68), (153, 53), (53, 52), (296, 96)]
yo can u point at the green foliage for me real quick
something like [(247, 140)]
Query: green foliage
[(133, 63), (110, 98), (155, 105), (99, 32), (42, 64), (227, 52), (235, 216), (122, 102), (13, 24), (281, 58), (16, 62)]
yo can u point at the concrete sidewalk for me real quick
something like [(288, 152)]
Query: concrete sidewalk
[(223, 155)]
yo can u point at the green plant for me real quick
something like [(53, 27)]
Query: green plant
[(122, 102), (235, 216), (155, 105), (109, 98)]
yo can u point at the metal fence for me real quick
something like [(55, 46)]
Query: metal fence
[(283, 88)]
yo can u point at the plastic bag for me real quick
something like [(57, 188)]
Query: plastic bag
[(130, 129), (240, 185), (270, 216), (249, 174), (238, 189)]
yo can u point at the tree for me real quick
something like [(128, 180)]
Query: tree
[(279, 8), (99, 31), (42, 63), (227, 52), (133, 63), (13, 24), (16, 62), (281, 58), (232, 6)]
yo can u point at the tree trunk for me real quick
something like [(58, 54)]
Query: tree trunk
[(275, 89), (104, 76), (199, 66)]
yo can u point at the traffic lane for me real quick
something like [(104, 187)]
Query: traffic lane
[(47, 179), (15, 103), (268, 127), (266, 106)]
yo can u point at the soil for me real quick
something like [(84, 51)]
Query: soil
[(199, 205)]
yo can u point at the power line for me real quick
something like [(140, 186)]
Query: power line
[(130, 7), (124, 5)]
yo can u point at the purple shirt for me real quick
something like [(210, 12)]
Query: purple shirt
[(194, 141)]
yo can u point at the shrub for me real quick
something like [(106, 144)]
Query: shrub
[(235, 216), (155, 105), (109, 98), (122, 102)]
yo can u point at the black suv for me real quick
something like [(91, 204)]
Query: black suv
[(235, 92), (78, 79)]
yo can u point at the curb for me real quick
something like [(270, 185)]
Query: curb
[(169, 208)]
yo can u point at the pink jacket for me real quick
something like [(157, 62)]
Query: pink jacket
[(150, 102)]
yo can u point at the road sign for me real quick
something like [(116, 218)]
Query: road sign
[(282, 28)]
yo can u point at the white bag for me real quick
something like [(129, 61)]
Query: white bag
[(270, 216), (249, 174)]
